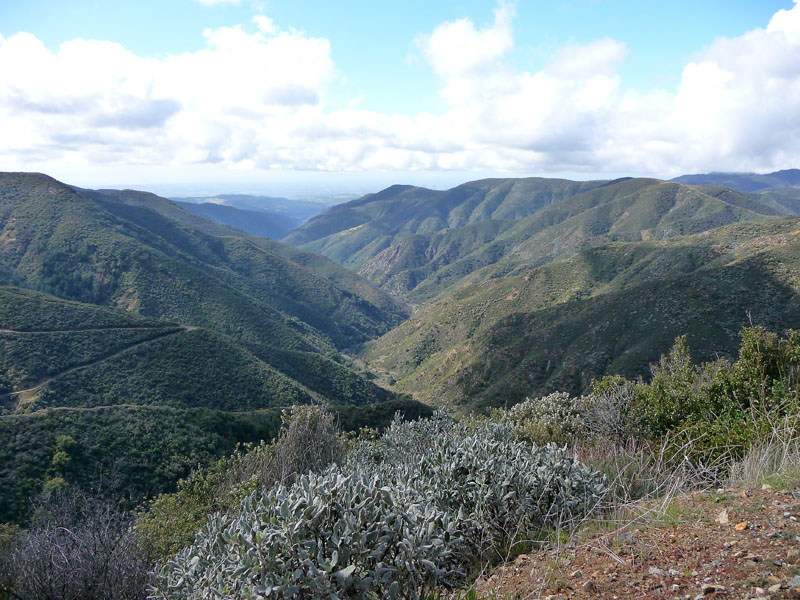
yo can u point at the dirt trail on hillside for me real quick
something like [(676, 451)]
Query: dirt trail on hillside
[(26, 396), (82, 329), (718, 544)]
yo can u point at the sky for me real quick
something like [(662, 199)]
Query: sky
[(311, 97)]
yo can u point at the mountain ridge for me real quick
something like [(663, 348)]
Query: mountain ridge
[(117, 299), (610, 309), (491, 226)]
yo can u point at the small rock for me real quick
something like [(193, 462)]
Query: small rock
[(760, 592), (774, 588), (787, 514), (794, 582), (741, 526), (577, 574), (723, 519), (792, 555), (753, 557), (675, 587), (625, 538), (656, 571), (674, 573), (710, 588), (766, 487), (590, 587)]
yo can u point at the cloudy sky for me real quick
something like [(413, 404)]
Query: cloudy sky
[(248, 94)]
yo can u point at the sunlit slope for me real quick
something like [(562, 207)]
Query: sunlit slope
[(105, 251), (610, 309), (529, 224)]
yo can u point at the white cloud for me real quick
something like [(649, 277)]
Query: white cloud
[(459, 48), (255, 98), (265, 24)]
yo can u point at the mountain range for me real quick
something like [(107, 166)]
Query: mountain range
[(746, 182), (142, 335), (779, 190), (416, 243), (257, 215), (116, 302), (525, 286)]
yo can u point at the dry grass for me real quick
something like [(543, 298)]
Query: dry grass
[(773, 460)]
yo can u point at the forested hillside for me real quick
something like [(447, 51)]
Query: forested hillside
[(499, 225), (119, 310), (610, 309)]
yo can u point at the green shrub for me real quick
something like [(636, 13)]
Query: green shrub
[(671, 396), (709, 414)]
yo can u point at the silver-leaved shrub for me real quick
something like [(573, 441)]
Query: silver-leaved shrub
[(409, 512), (556, 417), (499, 488), (330, 535)]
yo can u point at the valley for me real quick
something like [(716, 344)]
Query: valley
[(122, 308), (142, 343)]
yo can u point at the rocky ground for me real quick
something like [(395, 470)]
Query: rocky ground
[(732, 543)]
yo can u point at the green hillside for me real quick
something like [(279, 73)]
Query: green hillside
[(342, 278), (610, 309), (416, 243), (745, 182), (129, 453), (123, 317), (353, 232), (784, 200), (630, 210), (119, 253), (108, 380)]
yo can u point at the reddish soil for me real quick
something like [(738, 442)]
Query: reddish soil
[(716, 544)]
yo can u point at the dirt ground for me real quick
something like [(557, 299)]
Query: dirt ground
[(733, 543)]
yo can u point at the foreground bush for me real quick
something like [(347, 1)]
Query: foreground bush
[(501, 488), (411, 511), (307, 441), (77, 548), (707, 416), (330, 535)]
